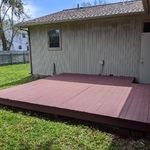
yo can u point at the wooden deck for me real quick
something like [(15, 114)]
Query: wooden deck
[(114, 101)]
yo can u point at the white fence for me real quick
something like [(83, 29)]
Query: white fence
[(14, 57)]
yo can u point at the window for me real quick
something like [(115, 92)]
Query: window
[(147, 27), (27, 47), (20, 47), (54, 39), (23, 35)]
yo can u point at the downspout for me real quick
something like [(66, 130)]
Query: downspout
[(30, 51)]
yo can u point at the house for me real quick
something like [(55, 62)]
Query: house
[(20, 41), (111, 39)]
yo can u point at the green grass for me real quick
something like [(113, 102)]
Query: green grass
[(14, 74), (21, 131)]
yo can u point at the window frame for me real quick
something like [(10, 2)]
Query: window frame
[(144, 29), (60, 40), (144, 20), (20, 47), (23, 35)]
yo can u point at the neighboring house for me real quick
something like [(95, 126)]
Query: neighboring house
[(111, 39), (20, 41)]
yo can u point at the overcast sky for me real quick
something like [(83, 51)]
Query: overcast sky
[(38, 8)]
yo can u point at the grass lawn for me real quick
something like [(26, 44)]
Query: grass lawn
[(14, 74), (21, 131)]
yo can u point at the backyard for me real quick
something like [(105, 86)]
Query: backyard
[(19, 130)]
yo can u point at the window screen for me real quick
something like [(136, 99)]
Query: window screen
[(54, 38), (147, 27), (23, 35), (20, 47)]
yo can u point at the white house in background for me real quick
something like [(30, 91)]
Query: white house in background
[(20, 42)]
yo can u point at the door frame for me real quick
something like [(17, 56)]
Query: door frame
[(141, 80)]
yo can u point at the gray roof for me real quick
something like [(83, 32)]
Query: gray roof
[(126, 8)]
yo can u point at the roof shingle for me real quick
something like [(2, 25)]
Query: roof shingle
[(132, 7)]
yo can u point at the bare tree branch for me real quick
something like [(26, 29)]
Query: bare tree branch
[(11, 11), (93, 2), (5, 13)]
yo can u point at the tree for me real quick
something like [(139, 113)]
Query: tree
[(86, 4), (11, 11), (93, 2)]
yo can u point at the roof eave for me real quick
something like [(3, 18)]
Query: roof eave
[(89, 18)]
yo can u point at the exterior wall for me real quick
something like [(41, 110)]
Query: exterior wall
[(85, 44)]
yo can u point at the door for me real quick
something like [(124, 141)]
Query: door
[(145, 59)]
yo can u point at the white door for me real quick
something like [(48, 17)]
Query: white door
[(145, 59)]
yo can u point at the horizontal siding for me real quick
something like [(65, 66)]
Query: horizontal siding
[(86, 44)]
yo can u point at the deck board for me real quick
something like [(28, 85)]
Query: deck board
[(114, 99), (138, 109), (110, 100)]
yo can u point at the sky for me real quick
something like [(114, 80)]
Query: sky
[(37, 8)]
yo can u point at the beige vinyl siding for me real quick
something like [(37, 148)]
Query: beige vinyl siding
[(85, 44)]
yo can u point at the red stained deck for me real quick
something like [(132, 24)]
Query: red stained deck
[(110, 100)]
